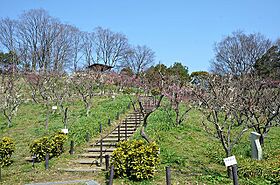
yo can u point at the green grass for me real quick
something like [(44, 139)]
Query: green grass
[(197, 158), (194, 156), (29, 124)]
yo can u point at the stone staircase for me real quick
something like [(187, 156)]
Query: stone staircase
[(93, 158)]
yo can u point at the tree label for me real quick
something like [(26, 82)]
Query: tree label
[(65, 130), (54, 107), (229, 161)]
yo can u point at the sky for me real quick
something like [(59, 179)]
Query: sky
[(176, 30)]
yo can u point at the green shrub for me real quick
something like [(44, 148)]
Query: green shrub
[(269, 170), (135, 159), (7, 147), (53, 145)]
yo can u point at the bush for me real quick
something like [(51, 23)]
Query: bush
[(7, 147), (269, 170), (135, 159), (52, 145)]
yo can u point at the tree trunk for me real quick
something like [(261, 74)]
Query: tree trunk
[(229, 168), (177, 116), (144, 135), (9, 118), (34, 98), (9, 121), (47, 119), (88, 109), (229, 172), (262, 140)]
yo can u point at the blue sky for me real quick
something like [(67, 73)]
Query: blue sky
[(177, 30)]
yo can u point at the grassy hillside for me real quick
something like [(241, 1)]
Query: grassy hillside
[(29, 124), (197, 158), (194, 156)]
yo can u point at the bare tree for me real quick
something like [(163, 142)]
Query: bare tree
[(42, 42), (236, 54), (152, 85), (62, 49), (85, 83), (37, 35), (139, 58), (220, 102), (8, 30), (180, 98), (77, 46), (88, 47), (11, 96), (110, 47), (261, 103)]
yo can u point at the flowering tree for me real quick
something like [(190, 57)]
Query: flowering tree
[(85, 84), (224, 118), (49, 89), (151, 83), (178, 91), (220, 103), (179, 95), (261, 102), (11, 96)]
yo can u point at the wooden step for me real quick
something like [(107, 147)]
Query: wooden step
[(112, 139), (128, 126), (128, 129), (122, 136), (105, 144), (93, 155), (86, 161), (122, 132), (90, 161), (82, 169), (131, 123), (98, 149)]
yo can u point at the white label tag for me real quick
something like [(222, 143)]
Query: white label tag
[(230, 161), (65, 130), (54, 107)]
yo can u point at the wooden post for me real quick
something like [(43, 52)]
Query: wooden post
[(71, 151), (101, 152), (111, 175), (125, 123), (47, 161), (119, 133), (109, 121), (234, 174), (137, 120), (65, 117), (107, 162), (100, 128), (33, 161), (87, 137), (128, 106), (101, 145), (168, 175)]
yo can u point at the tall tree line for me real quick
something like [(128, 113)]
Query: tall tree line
[(43, 43)]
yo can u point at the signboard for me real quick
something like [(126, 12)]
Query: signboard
[(65, 130), (54, 107), (230, 161)]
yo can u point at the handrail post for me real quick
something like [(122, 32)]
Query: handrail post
[(101, 144), (119, 133), (125, 129), (168, 175)]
